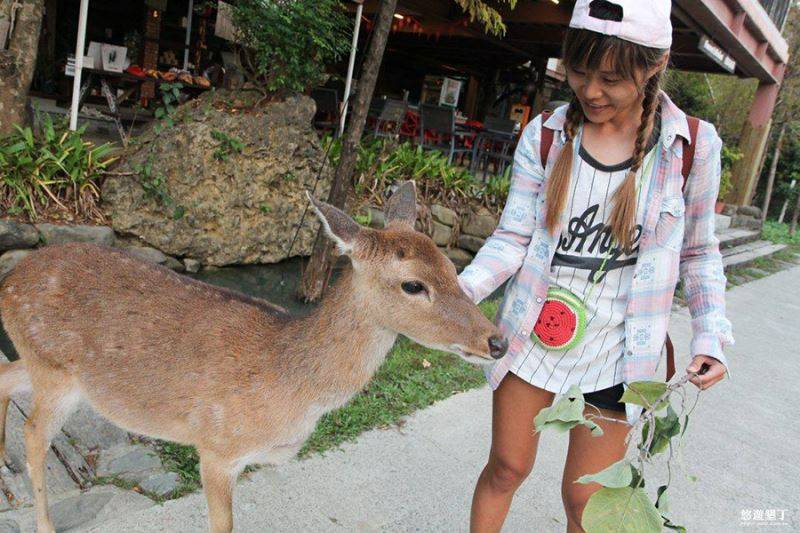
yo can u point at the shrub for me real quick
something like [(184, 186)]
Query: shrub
[(381, 163), (287, 43), (54, 170)]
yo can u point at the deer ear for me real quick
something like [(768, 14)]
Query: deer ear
[(338, 225), (402, 205)]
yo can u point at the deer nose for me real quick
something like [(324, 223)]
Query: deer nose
[(497, 347)]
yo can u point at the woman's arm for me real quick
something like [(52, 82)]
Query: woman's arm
[(504, 251), (701, 262)]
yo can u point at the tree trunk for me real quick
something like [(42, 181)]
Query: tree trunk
[(772, 169), (318, 271), (18, 63), (785, 205), (795, 214)]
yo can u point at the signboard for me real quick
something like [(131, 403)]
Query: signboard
[(450, 91), (715, 52)]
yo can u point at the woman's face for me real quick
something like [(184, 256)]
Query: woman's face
[(603, 93)]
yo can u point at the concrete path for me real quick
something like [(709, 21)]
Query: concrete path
[(742, 444)]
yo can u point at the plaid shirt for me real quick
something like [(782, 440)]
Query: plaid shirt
[(677, 240)]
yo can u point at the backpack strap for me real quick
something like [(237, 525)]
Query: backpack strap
[(689, 148), (688, 160), (547, 139)]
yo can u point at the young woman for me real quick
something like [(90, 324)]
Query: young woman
[(595, 238)]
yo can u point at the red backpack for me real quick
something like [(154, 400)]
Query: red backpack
[(688, 150)]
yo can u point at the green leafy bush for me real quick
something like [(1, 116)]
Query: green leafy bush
[(729, 156), (51, 171), (288, 44), (381, 162)]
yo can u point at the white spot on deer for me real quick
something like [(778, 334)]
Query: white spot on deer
[(10, 289), (217, 414), (52, 282)]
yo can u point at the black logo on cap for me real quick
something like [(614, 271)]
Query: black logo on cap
[(604, 10)]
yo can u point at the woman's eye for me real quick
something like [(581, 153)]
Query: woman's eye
[(413, 287), (611, 81)]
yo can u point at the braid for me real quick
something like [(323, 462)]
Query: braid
[(558, 182), (623, 214)]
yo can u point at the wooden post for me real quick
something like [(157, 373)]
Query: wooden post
[(318, 272), (752, 144), (772, 170)]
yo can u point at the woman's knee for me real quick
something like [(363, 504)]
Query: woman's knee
[(507, 475)]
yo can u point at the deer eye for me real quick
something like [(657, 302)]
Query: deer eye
[(413, 287)]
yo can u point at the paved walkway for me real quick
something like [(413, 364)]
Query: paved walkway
[(742, 444)]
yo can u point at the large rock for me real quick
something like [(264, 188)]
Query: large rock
[(444, 215), (9, 260), (15, 235), (61, 234), (749, 210), (241, 208), (129, 462), (441, 234), (163, 485), (459, 257), (480, 224), (151, 255), (470, 243)]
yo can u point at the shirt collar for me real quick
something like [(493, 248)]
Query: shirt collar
[(673, 121)]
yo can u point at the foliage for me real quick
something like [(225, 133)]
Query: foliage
[(287, 44), (412, 377), (730, 155), (622, 504), (228, 145), (165, 114), (155, 188), (779, 233), (722, 100), (486, 15), (54, 169), (380, 163)]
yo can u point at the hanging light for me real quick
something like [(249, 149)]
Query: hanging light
[(398, 16)]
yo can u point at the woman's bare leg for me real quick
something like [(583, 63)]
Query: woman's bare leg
[(589, 455), (514, 406)]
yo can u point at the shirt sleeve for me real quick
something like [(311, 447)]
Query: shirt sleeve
[(504, 251), (701, 261)]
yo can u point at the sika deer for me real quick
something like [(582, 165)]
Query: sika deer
[(166, 356)]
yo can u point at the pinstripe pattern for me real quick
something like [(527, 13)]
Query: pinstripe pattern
[(677, 240)]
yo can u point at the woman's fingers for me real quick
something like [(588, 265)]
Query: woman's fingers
[(715, 371)]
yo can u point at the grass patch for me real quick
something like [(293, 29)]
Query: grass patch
[(779, 233), (411, 378)]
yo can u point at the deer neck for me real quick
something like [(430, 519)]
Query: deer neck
[(347, 343)]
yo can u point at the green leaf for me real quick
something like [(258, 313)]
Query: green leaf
[(564, 414), (666, 427), (622, 510), (675, 527), (662, 503), (645, 393), (616, 476)]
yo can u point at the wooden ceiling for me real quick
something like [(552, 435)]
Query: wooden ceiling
[(440, 31)]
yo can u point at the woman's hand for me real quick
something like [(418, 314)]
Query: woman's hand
[(715, 371)]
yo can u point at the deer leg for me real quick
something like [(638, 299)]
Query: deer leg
[(49, 411), (218, 479)]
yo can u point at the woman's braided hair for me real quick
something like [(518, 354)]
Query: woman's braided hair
[(586, 48)]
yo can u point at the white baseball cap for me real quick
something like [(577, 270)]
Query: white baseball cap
[(644, 22)]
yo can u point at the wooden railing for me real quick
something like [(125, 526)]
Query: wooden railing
[(777, 10)]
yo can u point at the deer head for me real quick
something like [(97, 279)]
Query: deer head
[(408, 285)]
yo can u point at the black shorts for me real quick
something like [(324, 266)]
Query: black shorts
[(607, 398)]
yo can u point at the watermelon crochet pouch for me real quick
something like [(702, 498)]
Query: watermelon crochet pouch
[(562, 321)]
